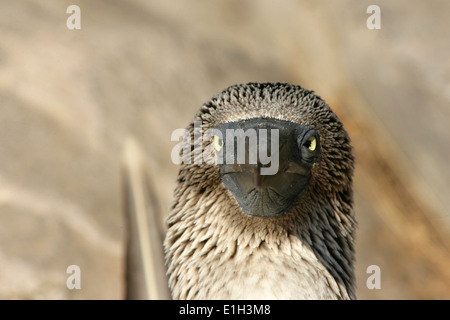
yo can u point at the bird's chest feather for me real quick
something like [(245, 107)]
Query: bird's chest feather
[(265, 278), (286, 271)]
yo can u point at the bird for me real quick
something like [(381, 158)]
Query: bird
[(236, 233)]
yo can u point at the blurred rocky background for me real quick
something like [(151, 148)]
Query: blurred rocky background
[(70, 98)]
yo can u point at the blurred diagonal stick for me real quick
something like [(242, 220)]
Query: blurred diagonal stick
[(145, 269)]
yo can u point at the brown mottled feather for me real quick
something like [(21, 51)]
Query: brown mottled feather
[(214, 251)]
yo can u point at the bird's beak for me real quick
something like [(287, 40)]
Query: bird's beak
[(261, 187)]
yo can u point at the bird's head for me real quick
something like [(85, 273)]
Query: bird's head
[(268, 145), (265, 162)]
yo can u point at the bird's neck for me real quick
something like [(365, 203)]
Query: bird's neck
[(216, 251)]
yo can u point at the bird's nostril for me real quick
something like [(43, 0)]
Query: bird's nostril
[(258, 176)]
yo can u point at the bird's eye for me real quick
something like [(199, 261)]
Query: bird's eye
[(218, 143), (311, 143)]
